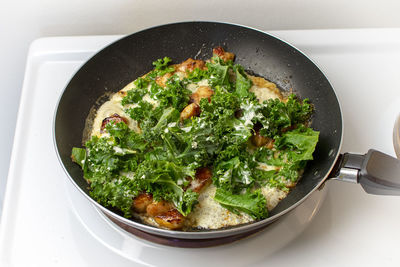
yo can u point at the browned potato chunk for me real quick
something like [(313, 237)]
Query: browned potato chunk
[(270, 143), (190, 64), (141, 202), (259, 140), (189, 111), (158, 208), (161, 81), (171, 219), (165, 214), (225, 56), (114, 118), (201, 180), (201, 92)]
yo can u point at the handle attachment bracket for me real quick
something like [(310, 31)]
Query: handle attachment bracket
[(377, 172)]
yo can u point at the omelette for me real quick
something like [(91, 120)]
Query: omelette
[(197, 145)]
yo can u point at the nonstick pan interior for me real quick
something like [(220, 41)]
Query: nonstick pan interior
[(264, 55)]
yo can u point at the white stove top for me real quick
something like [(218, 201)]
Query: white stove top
[(45, 221)]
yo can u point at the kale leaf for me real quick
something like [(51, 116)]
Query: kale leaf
[(161, 66), (134, 95), (253, 203), (219, 72), (79, 156), (243, 83), (294, 148), (232, 169), (299, 143), (196, 76), (279, 116)]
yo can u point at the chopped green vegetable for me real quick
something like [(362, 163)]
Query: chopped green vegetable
[(279, 116), (135, 95), (243, 83), (79, 156), (219, 72), (197, 75), (251, 203), (161, 66), (299, 143)]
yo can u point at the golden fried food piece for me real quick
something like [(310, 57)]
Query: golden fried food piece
[(189, 111), (159, 207), (161, 81), (190, 65), (141, 202), (225, 56), (171, 219), (201, 92)]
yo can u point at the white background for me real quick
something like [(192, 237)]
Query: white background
[(22, 21)]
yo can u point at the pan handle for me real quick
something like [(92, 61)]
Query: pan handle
[(378, 173)]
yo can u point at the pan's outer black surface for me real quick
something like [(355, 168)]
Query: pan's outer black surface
[(125, 60)]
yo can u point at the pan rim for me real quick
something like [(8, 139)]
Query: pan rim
[(203, 234)]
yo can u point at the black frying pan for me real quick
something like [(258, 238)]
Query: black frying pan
[(126, 59)]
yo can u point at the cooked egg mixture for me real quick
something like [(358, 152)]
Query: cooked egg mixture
[(207, 213)]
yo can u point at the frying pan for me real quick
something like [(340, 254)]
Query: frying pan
[(260, 53)]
